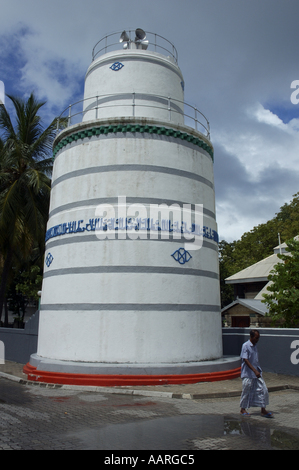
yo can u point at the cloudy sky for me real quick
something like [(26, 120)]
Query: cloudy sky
[(238, 58)]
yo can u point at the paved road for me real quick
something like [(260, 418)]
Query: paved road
[(35, 417)]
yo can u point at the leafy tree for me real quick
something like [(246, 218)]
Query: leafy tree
[(255, 245), (251, 248), (283, 297), (25, 169), (23, 290), (30, 282), (288, 219), (226, 260)]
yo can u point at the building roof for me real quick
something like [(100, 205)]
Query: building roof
[(256, 273), (259, 271), (252, 304), (282, 247), (264, 290)]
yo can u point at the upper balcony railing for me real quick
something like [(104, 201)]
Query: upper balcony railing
[(153, 41), (169, 109)]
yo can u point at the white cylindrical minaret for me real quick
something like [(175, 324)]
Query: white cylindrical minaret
[(146, 85), (125, 291)]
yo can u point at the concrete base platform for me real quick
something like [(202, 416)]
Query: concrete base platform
[(77, 373)]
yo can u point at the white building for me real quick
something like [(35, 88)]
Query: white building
[(131, 280), (250, 284)]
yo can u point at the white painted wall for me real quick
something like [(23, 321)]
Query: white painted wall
[(97, 294), (130, 337), (143, 73), (141, 150)]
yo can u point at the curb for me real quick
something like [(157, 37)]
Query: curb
[(90, 388), (126, 380), (147, 393)]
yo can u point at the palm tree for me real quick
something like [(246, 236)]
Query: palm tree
[(25, 170)]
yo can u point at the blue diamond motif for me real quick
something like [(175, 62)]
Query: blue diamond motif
[(49, 259), (181, 255), (117, 66)]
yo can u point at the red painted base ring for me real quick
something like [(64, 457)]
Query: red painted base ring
[(125, 380)]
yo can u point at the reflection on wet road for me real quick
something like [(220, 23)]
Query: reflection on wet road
[(34, 417), (185, 433)]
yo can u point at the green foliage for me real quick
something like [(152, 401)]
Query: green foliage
[(226, 259), (288, 219), (25, 170), (30, 282), (283, 297), (24, 289), (25, 167)]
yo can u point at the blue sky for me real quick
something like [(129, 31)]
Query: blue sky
[(238, 58), (285, 111)]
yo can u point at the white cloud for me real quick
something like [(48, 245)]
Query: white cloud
[(294, 124), (266, 116)]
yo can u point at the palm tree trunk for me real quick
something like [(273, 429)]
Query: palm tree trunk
[(4, 278)]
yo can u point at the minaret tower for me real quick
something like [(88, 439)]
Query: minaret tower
[(131, 284)]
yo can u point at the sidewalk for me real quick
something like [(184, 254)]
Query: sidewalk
[(228, 388)]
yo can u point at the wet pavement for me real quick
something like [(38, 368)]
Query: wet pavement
[(150, 419)]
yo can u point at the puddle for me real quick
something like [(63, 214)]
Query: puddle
[(285, 441), (269, 437), (181, 432), (155, 434)]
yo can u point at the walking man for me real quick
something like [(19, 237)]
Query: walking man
[(254, 390)]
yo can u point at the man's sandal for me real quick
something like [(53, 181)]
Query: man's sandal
[(267, 415)]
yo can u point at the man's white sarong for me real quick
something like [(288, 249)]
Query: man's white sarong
[(254, 393)]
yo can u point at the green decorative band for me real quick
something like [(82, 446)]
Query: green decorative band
[(112, 129)]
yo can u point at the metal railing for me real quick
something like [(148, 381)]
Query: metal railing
[(155, 42), (75, 112)]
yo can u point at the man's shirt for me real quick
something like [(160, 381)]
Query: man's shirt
[(250, 352)]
